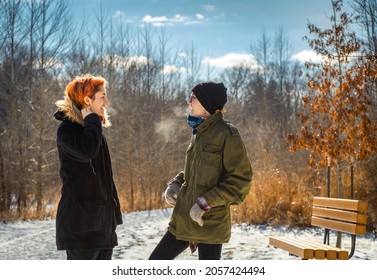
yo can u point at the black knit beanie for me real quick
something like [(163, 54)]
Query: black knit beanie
[(211, 95)]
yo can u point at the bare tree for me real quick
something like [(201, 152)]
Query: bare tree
[(237, 78), (13, 156), (192, 63), (367, 19), (99, 39), (261, 52), (51, 26), (281, 68), (35, 35)]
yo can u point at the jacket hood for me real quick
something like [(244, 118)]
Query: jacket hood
[(68, 110)]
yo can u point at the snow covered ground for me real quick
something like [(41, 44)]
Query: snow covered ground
[(141, 231)]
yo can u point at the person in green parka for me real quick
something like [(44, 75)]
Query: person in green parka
[(217, 174)]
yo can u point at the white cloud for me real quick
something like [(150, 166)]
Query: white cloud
[(199, 16), (177, 19), (306, 56), (155, 20), (122, 16), (119, 13), (209, 8), (172, 69), (180, 19), (139, 60), (182, 54), (231, 60), (120, 62)]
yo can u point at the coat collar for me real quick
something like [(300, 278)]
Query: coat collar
[(68, 110), (212, 119)]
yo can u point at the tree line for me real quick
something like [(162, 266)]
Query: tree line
[(149, 81)]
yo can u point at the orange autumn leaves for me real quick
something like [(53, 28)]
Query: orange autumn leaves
[(336, 123)]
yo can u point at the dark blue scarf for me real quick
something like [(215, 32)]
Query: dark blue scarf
[(194, 122)]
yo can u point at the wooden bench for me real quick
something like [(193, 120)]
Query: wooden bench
[(340, 215)]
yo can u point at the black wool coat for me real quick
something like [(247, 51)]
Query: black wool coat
[(89, 209)]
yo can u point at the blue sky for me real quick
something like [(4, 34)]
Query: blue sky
[(222, 29)]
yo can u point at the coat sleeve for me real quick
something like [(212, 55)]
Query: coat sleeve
[(180, 178), (236, 182), (81, 145)]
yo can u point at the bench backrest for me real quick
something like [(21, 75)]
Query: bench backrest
[(345, 215)]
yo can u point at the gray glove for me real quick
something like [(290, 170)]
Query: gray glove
[(171, 192), (198, 209)]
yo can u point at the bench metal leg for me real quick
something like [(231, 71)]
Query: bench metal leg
[(353, 241), (326, 239)]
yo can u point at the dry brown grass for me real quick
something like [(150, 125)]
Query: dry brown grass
[(276, 200), (278, 196)]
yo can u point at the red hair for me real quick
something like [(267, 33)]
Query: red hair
[(81, 86)]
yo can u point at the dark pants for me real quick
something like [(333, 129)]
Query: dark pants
[(169, 248), (90, 254)]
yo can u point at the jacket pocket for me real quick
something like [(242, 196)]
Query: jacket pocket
[(91, 216), (210, 166)]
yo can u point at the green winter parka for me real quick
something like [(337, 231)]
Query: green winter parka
[(216, 167)]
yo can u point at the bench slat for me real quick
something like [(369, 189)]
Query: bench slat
[(348, 216), (332, 253), (319, 252), (339, 226), (294, 248), (350, 204)]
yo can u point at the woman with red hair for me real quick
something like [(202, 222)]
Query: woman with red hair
[(89, 210)]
